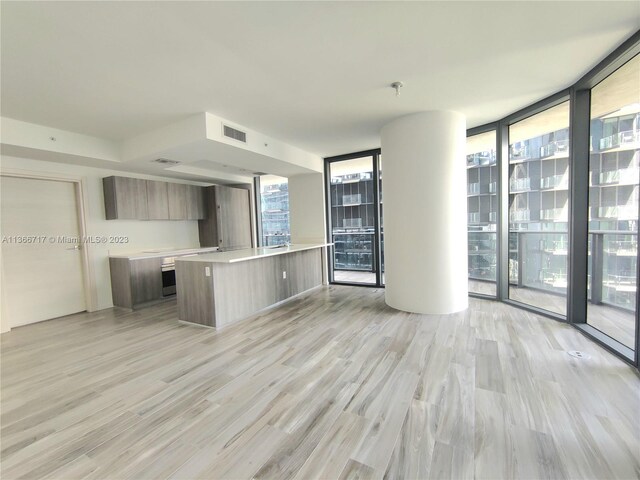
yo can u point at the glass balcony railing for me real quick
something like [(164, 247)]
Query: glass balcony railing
[(520, 184), (519, 215), (555, 181), (351, 177), (623, 176), (519, 152), (624, 248), (620, 212), (482, 255), (478, 188), (352, 222), (620, 139), (557, 148), (349, 200), (353, 251), (538, 260), (614, 257), (557, 214), (481, 159), (555, 280)]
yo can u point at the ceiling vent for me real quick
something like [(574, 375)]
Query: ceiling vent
[(234, 133), (165, 161), (259, 174)]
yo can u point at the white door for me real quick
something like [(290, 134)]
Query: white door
[(42, 272)]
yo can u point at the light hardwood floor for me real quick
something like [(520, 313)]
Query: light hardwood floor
[(333, 384)]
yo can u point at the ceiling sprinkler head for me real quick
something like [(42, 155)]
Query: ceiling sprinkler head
[(397, 86)]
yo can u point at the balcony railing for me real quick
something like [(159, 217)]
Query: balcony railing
[(555, 181), (555, 280), (348, 200), (620, 212), (620, 139), (353, 251), (623, 176), (559, 147), (623, 248), (519, 215), (352, 222), (351, 177), (519, 184), (558, 214), (519, 152), (481, 159)]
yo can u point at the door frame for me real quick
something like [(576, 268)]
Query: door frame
[(377, 250), (79, 184)]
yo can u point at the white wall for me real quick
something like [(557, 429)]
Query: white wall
[(142, 234), (306, 208), (4, 321), (39, 137), (307, 213)]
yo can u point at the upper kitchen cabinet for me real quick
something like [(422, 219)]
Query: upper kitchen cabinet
[(157, 200), (228, 222), (177, 201), (125, 198), (195, 203), (186, 202), (137, 199)]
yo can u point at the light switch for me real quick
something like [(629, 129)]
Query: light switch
[(207, 271), (284, 274)]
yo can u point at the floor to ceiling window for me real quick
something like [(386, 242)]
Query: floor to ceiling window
[(381, 220), (353, 204), (274, 209), (538, 209), (535, 183), (482, 201), (613, 203)]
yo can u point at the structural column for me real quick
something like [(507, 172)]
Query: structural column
[(424, 190)]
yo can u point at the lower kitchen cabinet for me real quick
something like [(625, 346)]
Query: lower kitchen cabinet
[(135, 281)]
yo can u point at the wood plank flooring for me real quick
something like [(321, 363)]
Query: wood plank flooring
[(333, 384)]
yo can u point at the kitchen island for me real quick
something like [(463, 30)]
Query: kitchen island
[(221, 288)]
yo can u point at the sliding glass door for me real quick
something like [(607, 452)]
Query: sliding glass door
[(353, 196)]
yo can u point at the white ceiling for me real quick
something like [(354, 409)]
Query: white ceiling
[(313, 74)]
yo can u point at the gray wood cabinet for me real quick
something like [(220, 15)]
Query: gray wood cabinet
[(157, 200), (186, 202), (228, 222), (125, 198), (137, 199), (177, 201), (195, 203), (135, 282), (235, 291)]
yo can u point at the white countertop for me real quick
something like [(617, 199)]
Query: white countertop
[(245, 254), (160, 252)]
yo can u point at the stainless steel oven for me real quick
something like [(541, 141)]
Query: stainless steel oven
[(168, 268)]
